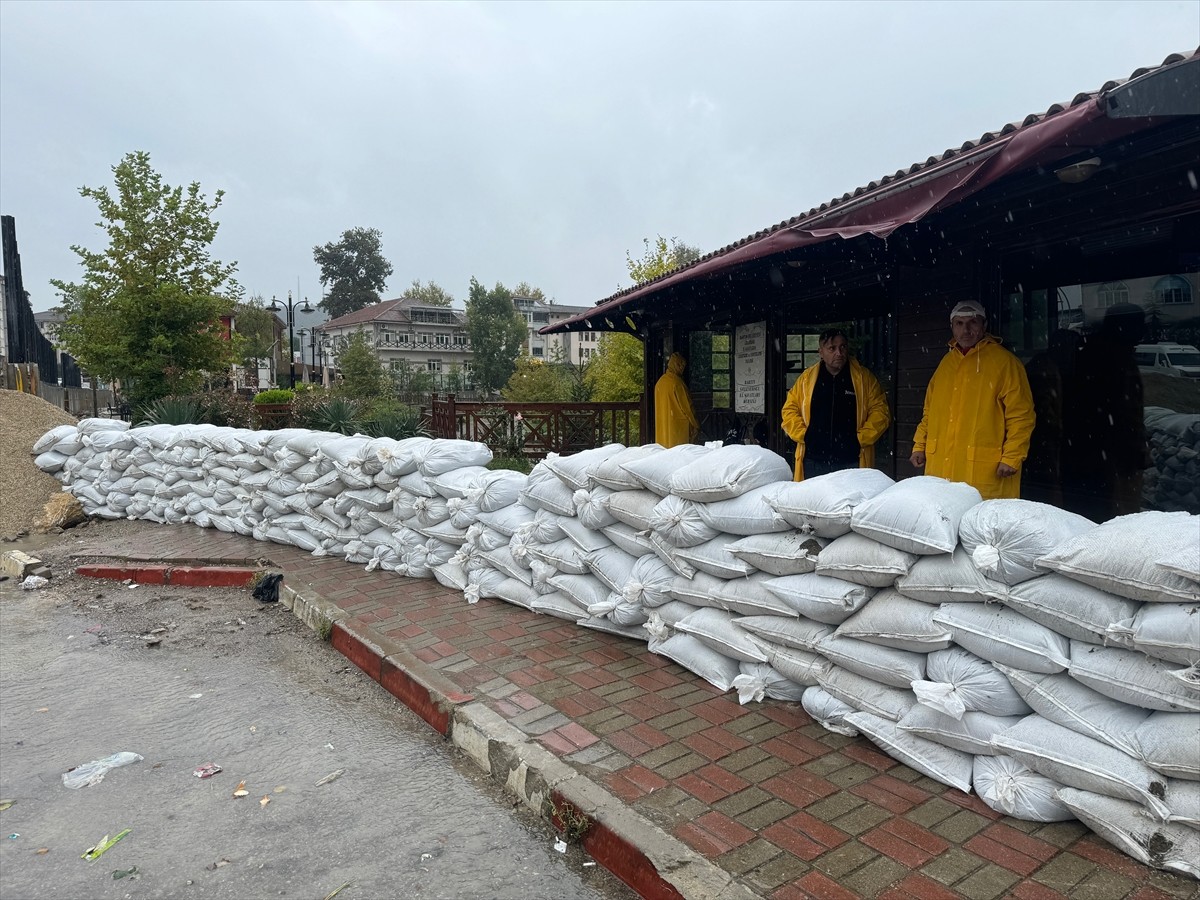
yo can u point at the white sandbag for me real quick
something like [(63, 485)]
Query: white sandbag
[(634, 507), (502, 560), (744, 515), (583, 537), (445, 532), (1083, 762), (611, 565), (1183, 799), (626, 612), (546, 527), (516, 592), (959, 682), (759, 680), (53, 436), (672, 612), (591, 507), (1133, 678), (444, 455), (972, 733), (695, 656), (949, 578), (563, 555), (559, 606), (866, 695), (1006, 538), (585, 590), (611, 474), (783, 553), (463, 513), (507, 520), (823, 505), (607, 625), (541, 574), (519, 545), (728, 472), (798, 666), (678, 522), (670, 555), (829, 712), (819, 597), (1170, 743), (893, 620), (1075, 610), (459, 482), (544, 491), (50, 461), (426, 510), (451, 575), (633, 542), (802, 634), (1011, 787), (897, 668), (720, 631), (699, 590), (498, 489), (749, 597), (713, 556), (918, 515), (1119, 556), (1183, 561), (1128, 827), (1002, 635), (853, 557), (942, 764), (655, 470), (649, 582), (1169, 631), (414, 483), (576, 470), (484, 539)]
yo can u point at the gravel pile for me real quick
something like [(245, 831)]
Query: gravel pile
[(24, 488)]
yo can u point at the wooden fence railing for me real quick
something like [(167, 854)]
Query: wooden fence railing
[(535, 429)]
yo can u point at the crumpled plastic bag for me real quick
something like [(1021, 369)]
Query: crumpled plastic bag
[(33, 582), (267, 589), (93, 772)]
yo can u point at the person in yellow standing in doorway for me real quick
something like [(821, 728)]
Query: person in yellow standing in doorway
[(979, 414), (674, 418), (835, 412)]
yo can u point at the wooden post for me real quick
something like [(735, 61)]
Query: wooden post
[(452, 414)]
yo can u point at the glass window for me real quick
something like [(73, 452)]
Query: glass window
[(443, 340), (1172, 289), (433, 365), (1111, 293), (538, 352)]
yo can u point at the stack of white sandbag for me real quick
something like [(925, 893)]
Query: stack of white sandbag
[(1172, 483)]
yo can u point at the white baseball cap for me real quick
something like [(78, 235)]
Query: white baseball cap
[(968, 308)]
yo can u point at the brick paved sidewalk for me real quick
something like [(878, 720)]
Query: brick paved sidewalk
[(787, 808)]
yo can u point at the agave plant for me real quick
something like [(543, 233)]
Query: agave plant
[(172, 411), (337, 414), (398, 423)]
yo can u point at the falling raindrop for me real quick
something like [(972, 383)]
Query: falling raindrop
[(1192, 178)]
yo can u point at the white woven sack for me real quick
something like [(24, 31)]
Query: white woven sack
[(749, 597), (1128, 827), (654, 471), (670, 555), (575, 471), (404, 455), (853, 557), (1063, 700), (1170, 743), (720, 631), (634, 507), (893, 620), (972, 733), (414, 483), (829, 712), (611, 565), (1184, 801), (695, 656), (729, 472), (1011, 787), (699, 590), (559, 606), (819, 597), (444, 455), (949, 578), (50, 461), (451, 575), (679, 523), (918, 515), (649, 582), (516, 592), (508, 519), (563, 555), (745, 515), (798, 666), (759, 680), (611, 474), (896, 668), (823, 505), (585, 590), (499, 489), (714, 557), (1006, 538), (802, 634), (942, 764), (1119, 556), (54, 435), (545, 492), (959, 682), (546, 527), (1083, 762), (607, 625), (446, 532), (783, 553), (459, 482), (1169, 631), (1002, 635), (1133, 678), (866, 695), (542, 573), (627, 612), (1183, 561), (502, 560), (591, 507), (583, 537), (633, 542), (1075, 610)]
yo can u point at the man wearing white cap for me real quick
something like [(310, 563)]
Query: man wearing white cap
[(978, 411)]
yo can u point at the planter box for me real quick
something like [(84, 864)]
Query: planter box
[(272, 416)]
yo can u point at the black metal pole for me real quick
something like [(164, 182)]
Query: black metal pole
[(291, 308)]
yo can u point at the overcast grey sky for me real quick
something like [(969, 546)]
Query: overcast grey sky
[(517, 141)]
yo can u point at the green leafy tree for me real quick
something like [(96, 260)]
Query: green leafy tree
[(525, 289), (659, 258), (408, 379), (431, 294), (354, 270), (537, 381), (363, 375), (253, 333), (614, 375), (148, 310), (497, 332)]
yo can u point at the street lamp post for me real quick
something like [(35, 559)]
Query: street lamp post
[(311, 333), (291, 323)]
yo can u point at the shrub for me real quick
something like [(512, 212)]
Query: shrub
[(339, 415), (172, 410), (274, 395), (397, 422), (228, 408), (515, 463)]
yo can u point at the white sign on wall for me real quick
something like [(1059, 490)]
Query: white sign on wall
[(750, 368)]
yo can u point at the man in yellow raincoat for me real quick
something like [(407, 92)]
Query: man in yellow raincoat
[(835, 412), (674, 418), (978, 411)]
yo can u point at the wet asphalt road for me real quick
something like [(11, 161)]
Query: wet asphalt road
[(252, 690)]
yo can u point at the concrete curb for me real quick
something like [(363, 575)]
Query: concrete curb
[(652, 862), (179, 576)]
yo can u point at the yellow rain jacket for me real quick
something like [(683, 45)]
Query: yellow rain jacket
[(978, 413), (872, 408), (674, 419)]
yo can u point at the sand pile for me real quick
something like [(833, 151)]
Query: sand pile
[(24, 489)]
